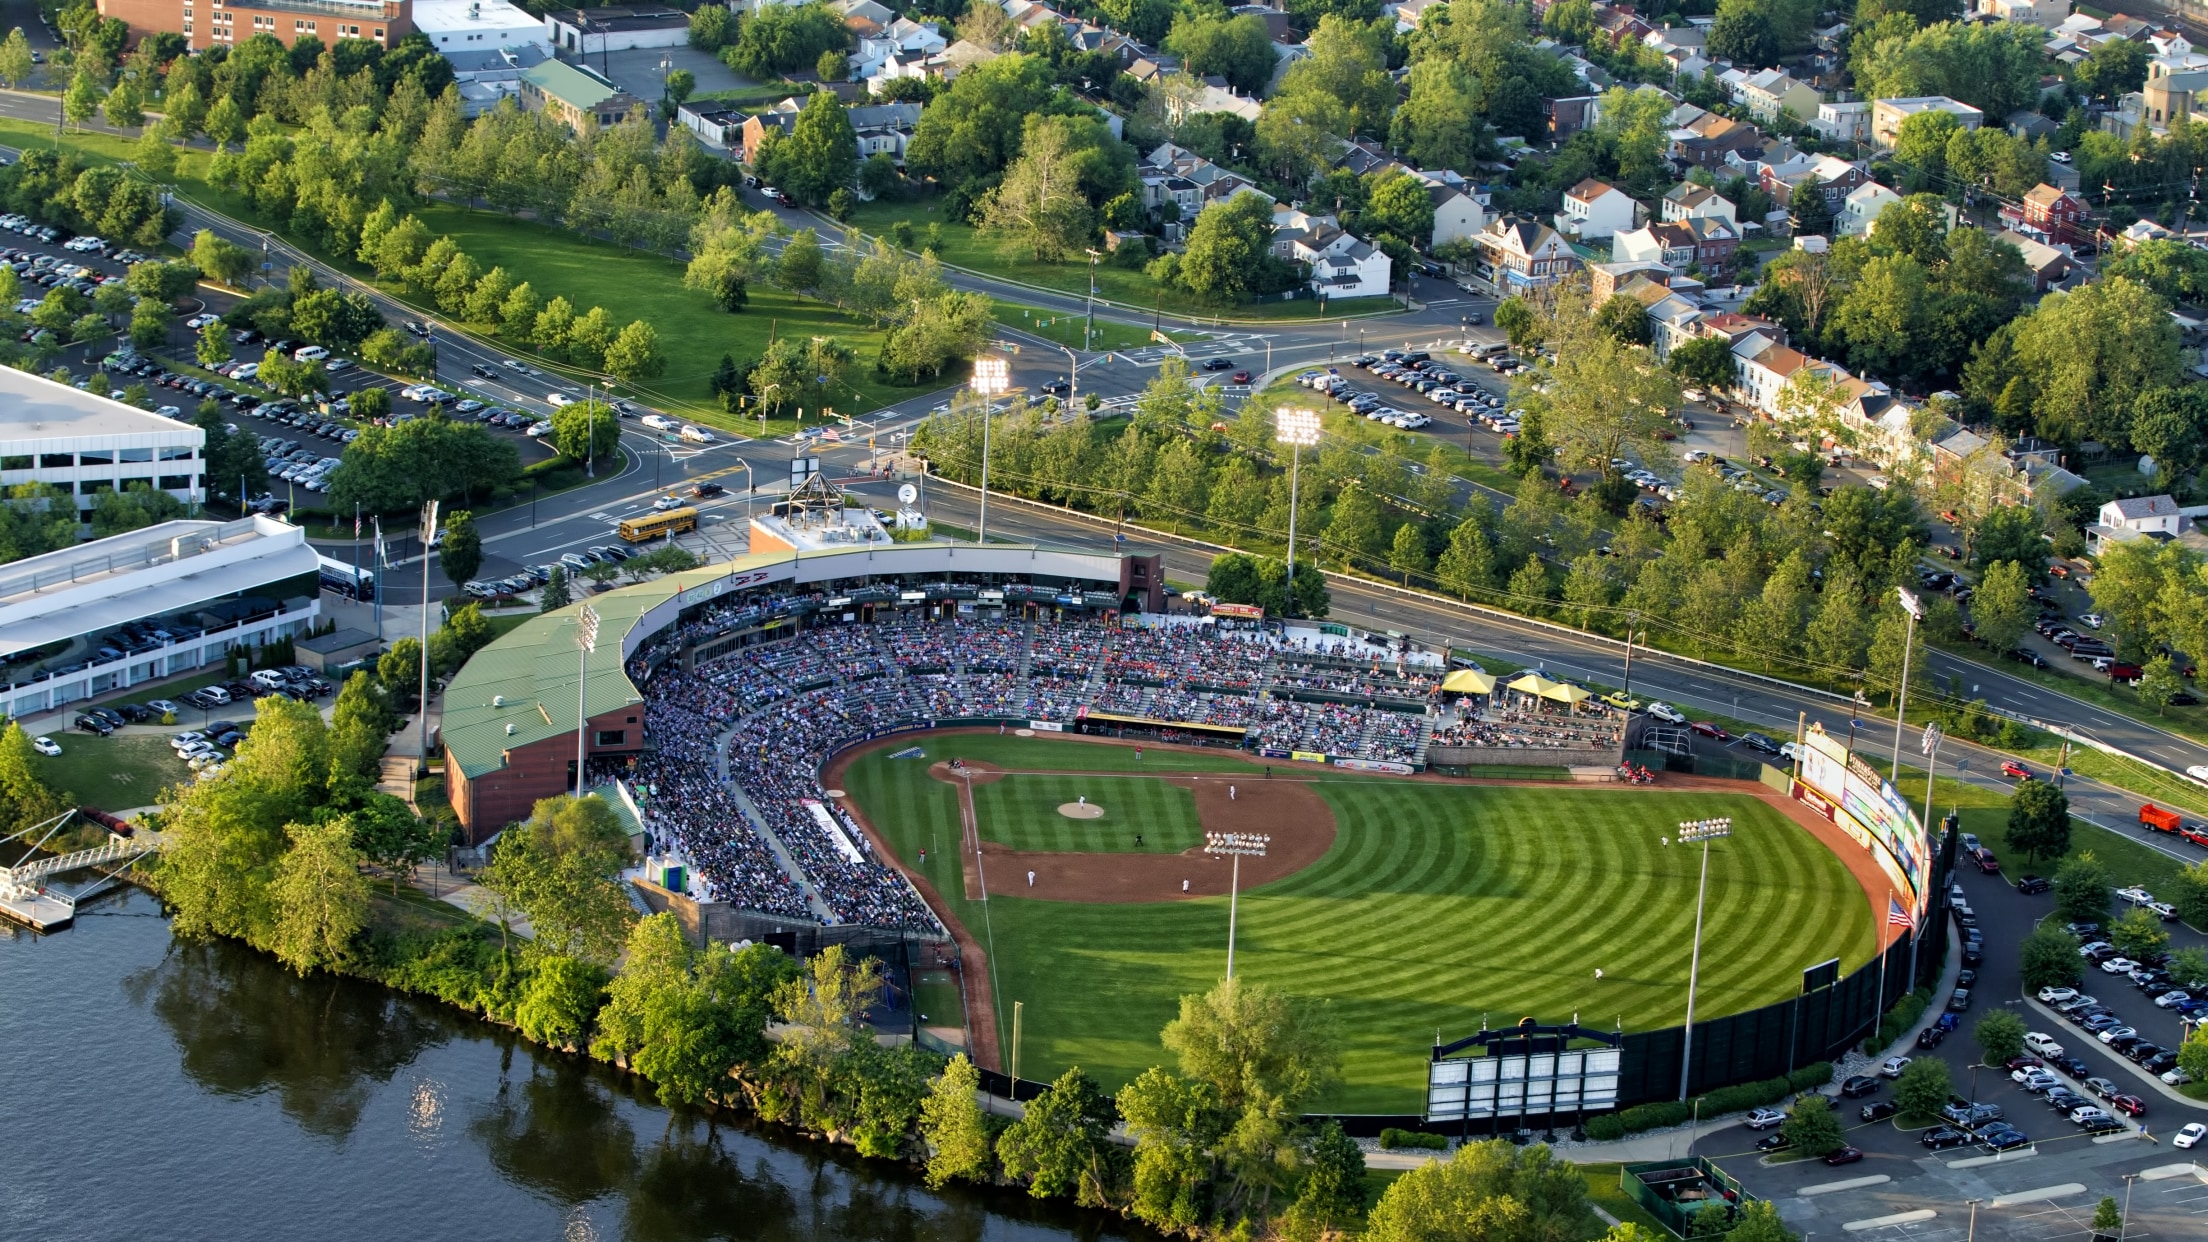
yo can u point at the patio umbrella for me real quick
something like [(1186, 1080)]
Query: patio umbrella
[(1566, 694), (1534, 684), (1468, 681)]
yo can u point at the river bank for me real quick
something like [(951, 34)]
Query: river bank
[(205, 1086)]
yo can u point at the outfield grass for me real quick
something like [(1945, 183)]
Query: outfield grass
[(1021, 813), (964, 246), (1438, 908)]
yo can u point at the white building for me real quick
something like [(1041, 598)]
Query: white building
[(1594, 210), (1688, 201), (1843, 122), (1341, 265), (137, 607), (589, 32), (2136, 518), (1887, 115), (479, 25), (1862, 208), (2046, 14), (1773, 91), (87, 445)]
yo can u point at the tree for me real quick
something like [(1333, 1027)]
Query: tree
[(25, 798), (1743, 34), (1520, 322), (2048, 958), (320, 899), (2138, 934), (1248, 1040), (2002, 608), (2000, 1036), (1467, 565), (1353, 530), (1704, 361), (586, 431), (2108, 1219), (1923, 1089), (1812, 1127), (561, 868), (81, 102), (2192, 1055), (1239, 49), (214, 345), (954, 1127), (799, 268), (222, 261), (821, 153), (1229, 252), (459, 547), (1060, 1147), (635, 354), (1039, 209), (1624, 320), (2039, 821), (16, 62), (554, 594), (2159, 683), (560, 998), (1438, 124), (1407, 553), (1492, 1191), (150, 322), (386, 832), (1400, 205), (774, 41)]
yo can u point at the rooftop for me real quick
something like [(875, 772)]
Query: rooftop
[(436, 16), (578, 88), (163, 568), (646, 17), (35, 408)]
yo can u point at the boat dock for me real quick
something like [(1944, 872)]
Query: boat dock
[(29, 892)]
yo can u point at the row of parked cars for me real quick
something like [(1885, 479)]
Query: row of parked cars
[(533, 576), (29, 227), (2089, 1015)]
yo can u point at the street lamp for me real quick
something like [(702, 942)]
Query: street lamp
[(1915, 608), (1973, 1235), (1297, 429), (1691, 831), (429, 540), (1235, 845), (992, 377), (586, 641)]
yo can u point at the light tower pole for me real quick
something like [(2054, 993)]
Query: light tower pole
[(1705, 831), (1235, 845), (1297, 429), (992, 377), (1915, 608), (429, 540), (586, 641)]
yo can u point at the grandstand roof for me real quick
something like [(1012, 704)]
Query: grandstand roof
[(527, 679)]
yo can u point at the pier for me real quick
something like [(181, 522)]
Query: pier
[(32, 892)]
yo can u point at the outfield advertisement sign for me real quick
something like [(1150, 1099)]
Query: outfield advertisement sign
[(1374, 765), (1849, 792), (1046, 726), (1307, 756), (1474, 1088)]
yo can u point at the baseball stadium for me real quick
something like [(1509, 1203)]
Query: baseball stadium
[(1020, 763)]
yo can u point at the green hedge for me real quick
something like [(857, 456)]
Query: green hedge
[(1392, 1138), (1899, 1020), (1717, 1103)]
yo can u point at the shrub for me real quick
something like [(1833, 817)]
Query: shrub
[(1734, 1099), (1899, 1020), (1392, 1138)]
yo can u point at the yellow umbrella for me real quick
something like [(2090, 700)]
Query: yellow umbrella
[(1468, 681), (1533, 683), (1566, 694)]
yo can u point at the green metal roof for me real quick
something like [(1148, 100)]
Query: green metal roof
[(577, 88)]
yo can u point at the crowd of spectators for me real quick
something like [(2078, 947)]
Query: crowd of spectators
[(1528, 730), (772, 713)]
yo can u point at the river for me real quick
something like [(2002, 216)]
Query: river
[(156, 1088)]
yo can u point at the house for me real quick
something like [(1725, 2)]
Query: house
[(1888, 114), (1708, 139), (486, 77), (616, 29), (1364, 157), (1828, 176), (1862, 208), (574, 95), (2140, 517), (1523, 254), (2046, 14), (1595, 209), (1843, 122), (1187, 96), (1703, 242), (904, 41), (1607, 280), (1771, 92), (1408, 13), (2052, 215), (2050, 265), (1342, 266), (2167, 95), (1458, 216), (1182, 177), (1570, 114), (2030, 126), (716, 124), (1687, 201), (881, 129)]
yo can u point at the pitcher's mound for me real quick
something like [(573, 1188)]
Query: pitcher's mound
[(1080, 810)]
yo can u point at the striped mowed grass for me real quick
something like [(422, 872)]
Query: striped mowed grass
[(1439, 907), (1021, 812)]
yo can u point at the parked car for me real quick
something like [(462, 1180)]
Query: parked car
[(1879, 1110), (1858, 1086), (2043, 1044), (1846, 1155), (2190, 1135), (1765, 1118), (46, 746)]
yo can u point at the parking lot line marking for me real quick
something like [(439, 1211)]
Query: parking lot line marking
[(2160, 1171), (2040, 1195), (1973, 1162), (1898, 1218), (1851, 1183)]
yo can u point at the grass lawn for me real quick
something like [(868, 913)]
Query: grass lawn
[(114, 773), (1065, 327), (1021, 813), (1605, 1191), (963, 246), (1438, 908)]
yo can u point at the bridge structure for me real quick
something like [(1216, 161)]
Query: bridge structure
[(32, 891)]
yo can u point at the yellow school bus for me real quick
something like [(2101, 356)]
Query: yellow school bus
[(653, 525)]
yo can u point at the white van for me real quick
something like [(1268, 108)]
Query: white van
[(696, 435), (658, 422)]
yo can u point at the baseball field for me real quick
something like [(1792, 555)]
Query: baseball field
[(1413, 908)]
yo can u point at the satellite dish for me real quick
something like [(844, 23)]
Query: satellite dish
[(907, 494), (2148, 467)]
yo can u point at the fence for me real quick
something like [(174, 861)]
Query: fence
[(1672, 1190), (1698, 765), (1474, 758)]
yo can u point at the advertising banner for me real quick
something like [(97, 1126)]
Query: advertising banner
[(1307, 756), (1870, 811), (1374, 765), (1046, 726)]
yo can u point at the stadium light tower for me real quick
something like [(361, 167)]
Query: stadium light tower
[(586, 641), (1235, 845), (992, 378), (429, 541), (1915, 608), (1298, 429), (1705, 831)]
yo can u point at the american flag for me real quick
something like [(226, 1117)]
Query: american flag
[(1895, 915)]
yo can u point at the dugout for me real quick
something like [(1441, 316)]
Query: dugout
[(1180, 732)]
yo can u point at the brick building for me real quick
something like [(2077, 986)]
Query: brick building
[(206, 23)]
